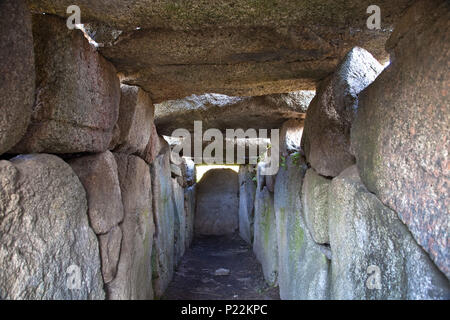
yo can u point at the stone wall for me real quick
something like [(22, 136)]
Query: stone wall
[(217, 203), (96, 218), (363, 214)]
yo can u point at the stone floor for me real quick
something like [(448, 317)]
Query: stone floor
[(195, 277)]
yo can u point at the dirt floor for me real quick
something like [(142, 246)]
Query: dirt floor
[(195, 277)]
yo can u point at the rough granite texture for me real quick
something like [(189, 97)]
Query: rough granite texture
[(17, 75), (223, 112), (77, 93), (303, 265), (291, 136), (180, 221), (374, 254), (110, 244), (315, 205), (135, 120), (326, 137), (401, 133), (134, 271), (45, 236), (265, 235), (241, 48), (189, 207), (247, 191), (98, 174), (217, 203), (164, 217)]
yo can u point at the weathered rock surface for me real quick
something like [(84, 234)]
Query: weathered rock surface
[(291, 136), (189, 207), (153, 147), (77, 93), (303, 267), (224, 112), (46, 244), (110, 244), (164, 217), (374, 254), (401, 134), (134, 272), (135, 120), (17, 79), (217, 203), (180, 221), (326, 137), (247, 191), (265, 235), (175, 49), (315, 205), (98, 174)]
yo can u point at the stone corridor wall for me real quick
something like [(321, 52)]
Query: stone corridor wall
[(362, 214), (89, 205)]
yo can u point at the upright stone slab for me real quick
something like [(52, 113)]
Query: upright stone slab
[(374, 254), (326, 137), (77, 93), (17, 79), (135, 121), (189, 208), (47, 249), (401, 133), (152, 148), (180, 221), (291, 136), (217, 203), (98, 174), (303, 265), (315, 205), (164, 215), (265, 235), (247, 191), (134, 272), (110, 245)]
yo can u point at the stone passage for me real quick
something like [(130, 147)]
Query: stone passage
[(95, 205), (217, 203)]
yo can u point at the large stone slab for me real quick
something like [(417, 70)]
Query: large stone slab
[(164, 217), (135, 123), (247, 191), (265, 244), (98, 174), (77, 93), (224, 112), (134, 271), (17, 79), (401, 133), (291, 136), (153, 147), (326, 137), (238, 48), (110, 244), (47, 249), (180, 221), (303, 265), (189, 207), (315, 205), (374, 254), (217, 203)]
